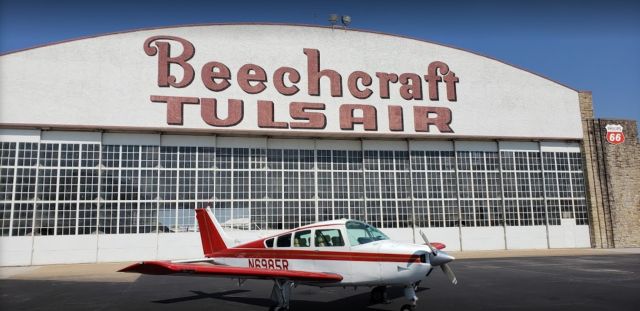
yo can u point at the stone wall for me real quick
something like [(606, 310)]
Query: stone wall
[(613, 180)]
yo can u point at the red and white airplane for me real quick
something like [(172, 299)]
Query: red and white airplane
[(331, 253)]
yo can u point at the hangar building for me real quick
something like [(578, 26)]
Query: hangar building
[(108, 143)]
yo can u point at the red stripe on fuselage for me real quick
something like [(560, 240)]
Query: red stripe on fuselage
[(315, 255)]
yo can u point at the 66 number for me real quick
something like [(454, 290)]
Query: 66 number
[(615, 137)]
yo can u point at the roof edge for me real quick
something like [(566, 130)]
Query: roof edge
[(284, 24)]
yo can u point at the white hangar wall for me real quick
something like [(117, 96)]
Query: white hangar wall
[(107, 82), (82, 142)]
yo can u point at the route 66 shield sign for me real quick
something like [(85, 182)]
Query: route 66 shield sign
[(614, 134)]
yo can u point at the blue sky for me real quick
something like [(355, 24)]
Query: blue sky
[(587, 45)]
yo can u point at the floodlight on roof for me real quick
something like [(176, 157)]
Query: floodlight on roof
[(333, 19), (346, 20)]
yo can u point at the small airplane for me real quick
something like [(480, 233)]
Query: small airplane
[(330, 253)]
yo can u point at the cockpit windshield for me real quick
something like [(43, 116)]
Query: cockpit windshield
[(361, 233)]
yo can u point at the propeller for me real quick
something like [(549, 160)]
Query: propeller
[(434, 250), (440, 258), (447, 270)]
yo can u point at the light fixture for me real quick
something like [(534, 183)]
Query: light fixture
[(346, 20), (333, 19)]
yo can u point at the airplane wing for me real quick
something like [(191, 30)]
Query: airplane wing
[(166, 268)]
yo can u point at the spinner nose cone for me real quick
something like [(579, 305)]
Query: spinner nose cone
[(441, 258)]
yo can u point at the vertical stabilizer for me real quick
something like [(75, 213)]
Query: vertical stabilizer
[(211, 232)]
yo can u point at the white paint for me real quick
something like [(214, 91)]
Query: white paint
[(526, 237), (107, 81), (476, 146), (71, 249), (569, 235), (397, 145), (179, 245), (291, 144), (188, 141), (12, 135), (449, 236), (15, 251), (518, 146), (130, 139), (334, 144), (482, 238), (431, 145), (127, 247), (559, 146), (71, 137)]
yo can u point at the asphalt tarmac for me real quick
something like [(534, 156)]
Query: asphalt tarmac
[(603, 282)]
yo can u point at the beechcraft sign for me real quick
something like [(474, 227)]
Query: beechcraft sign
[(614, 134)]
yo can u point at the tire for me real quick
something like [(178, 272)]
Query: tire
[(408, 308)]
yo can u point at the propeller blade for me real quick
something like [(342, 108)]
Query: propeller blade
[(426, 241), (449, 273), (424, 237)]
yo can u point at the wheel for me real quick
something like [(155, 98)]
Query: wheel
[(379, 295), (408, 307)]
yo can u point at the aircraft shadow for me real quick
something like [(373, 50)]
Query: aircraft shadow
[(345, 303)]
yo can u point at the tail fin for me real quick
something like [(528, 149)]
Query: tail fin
[(211, 232)]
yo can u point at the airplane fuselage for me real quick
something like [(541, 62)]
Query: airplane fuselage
[(371, 264)]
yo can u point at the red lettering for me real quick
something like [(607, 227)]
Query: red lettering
[(396, 122), (422, 119), (433, 78), (175, 106), (314, 74), (270, 264), (450, 81), (251, 265), (163, 49), (411, 86), (368, 119), (278, 80), (352, 84), (263, 263), (278, 265), (384, 79), (266, 116), (213, 71), (252, 73), (209, 112), (315, 120), (285, 264)]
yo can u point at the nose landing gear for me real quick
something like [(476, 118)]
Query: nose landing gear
[(410, 293)]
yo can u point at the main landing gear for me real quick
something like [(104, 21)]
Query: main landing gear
[(379, 295), (280, 295)]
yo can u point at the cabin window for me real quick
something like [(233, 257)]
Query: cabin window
[(302, 238), (329, 238), (361, 233), (284, 241), (269, 243)]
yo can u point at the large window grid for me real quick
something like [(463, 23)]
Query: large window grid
[(524, 198), (435, 188), (120, 189), (565, 189)]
